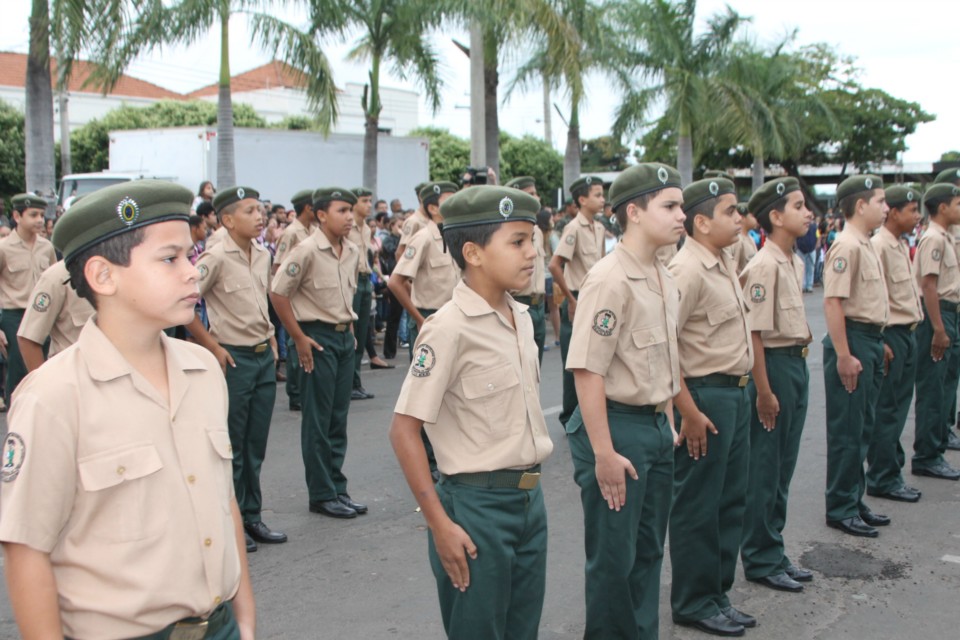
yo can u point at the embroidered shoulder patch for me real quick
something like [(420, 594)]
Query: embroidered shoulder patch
[(42, 302), (605, 322), (840, 265), (424, 360), (14, 451), (282, 247), (204, 271), (936, 254), (570, 239), (758, 293), (410, 252), (293, 269)]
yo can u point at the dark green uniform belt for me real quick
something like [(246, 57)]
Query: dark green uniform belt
[(864, 327), (193, 628), (642, 409), (950, 307), (258, 348), (718, 380), (426, 312), (507, 479), (797, 351), (903, 327), (530, 301), (317, 324)]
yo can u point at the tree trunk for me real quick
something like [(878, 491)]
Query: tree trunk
[(478, 123), (66, 162), (547, 121), (685, 156), (371, 131), (571, 158), (226, 158), (491, 78), (40, 174), (758, 172)]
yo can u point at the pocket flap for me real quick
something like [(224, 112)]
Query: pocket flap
[(326, 282), (220, 440), (439, 262), (235, 285), (109, 468), (899, 275), (644, 338), (13, 266), (720, 315), (790, 302), (489, 382)]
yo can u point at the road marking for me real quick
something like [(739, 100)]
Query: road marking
[(953, 559), (549, 411)]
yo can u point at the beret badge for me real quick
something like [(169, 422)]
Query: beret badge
[(506, 207), (128, 210)]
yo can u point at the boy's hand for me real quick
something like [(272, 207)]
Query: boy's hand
[(887, 358), (3, 345), (694, 431), (768, 408), (305, 347), (451, 542), (223, 357), (939, 344), (611, 471), (849, 369)]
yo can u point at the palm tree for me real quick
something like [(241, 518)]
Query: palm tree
[(40, 173), (154, 24)]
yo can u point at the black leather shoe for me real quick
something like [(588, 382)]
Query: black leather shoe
[(854, 526), (295, 406), (780, 582), (942, 471), (251, 545), (718, 625), (332, 508), (356, 506), (360, 394), (739, 617), (798, 574), (374, 365), (903, 494), (953, 440), (874, 519), (262, 533)]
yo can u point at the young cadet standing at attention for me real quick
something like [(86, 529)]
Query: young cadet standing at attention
[(534, 294), (773, 287), (716, 355), (234, 280), (624, 359), (474, 385), (856, 309), (313, 297), (581, 246), (118, 517), (363, 299), (938, 337), (420, 219), (56, 312), (24, 256), (885, 455), (952, 176)]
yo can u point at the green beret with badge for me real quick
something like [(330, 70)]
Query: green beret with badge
[(326, 195), (431, 191), (939, 193), (23, 201), (770, 193), (362, 192), (698, 192), (948, 176), (716, 173), (642, 179), (488, 204), (581, 187), (233, 195), (117, 209), (302, 197), (522, 182), (420, 186), (858, 184), (743, 209), (899, 196)]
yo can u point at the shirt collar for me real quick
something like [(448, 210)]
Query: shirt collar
[(887, 236), (933, 226), (776, 251), (702, 253), (472, 305), (861, 237)]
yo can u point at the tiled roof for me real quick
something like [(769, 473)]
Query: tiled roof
[(273, 75)]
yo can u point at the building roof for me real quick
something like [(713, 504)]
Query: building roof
[(273, 75), (13, 73)]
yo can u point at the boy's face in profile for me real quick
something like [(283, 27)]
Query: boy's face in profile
[(662, 220), (724, 227), (245, 219), (508, 259), (31, 219), (795, 217), (337, 219)]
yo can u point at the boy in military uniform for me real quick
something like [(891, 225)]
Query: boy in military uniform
[(363, 299), (581, 246), (773, 288), (624, 359), (885, 455), (234, 279), (118, 517), (474, 385), (313, 296), (24, 256), (420, 219), (938, 336), (952, 176), (534, 295), (856, 309), (56, 313), (716, 355), (743, 250)]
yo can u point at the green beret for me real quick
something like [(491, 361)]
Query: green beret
[(641, 179), (117, 209), (948, 176), (362, 192), (419, 187), (302, 197), (23, 201), (714, 173), (899, 196), (486, 204), (522, 182), (936, 194), (232, 195), (858, 184), (769, 192), (582, 185), (743, 209), (702, 190), (434, 189), (323, 195)]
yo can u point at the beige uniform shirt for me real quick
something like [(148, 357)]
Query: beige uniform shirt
[(433, 271), (742, 251), (581, 245), (235, 289), (320, 284), (626, 329), (954, 231), (666, 254), (936, 254), (56, 311), (773, 288), (215, 238), (294, 234), (20, 269), (475, 383), (360, 236), (902, 288), (853, 273), (128, 494), (714, 333), (417, 221), (538, 282)]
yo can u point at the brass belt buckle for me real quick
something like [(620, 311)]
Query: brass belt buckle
[(805, 352), (743, 381), (913, 327), (340, 327), (260, 348), (661, 407), (189, 630), (529, 480)]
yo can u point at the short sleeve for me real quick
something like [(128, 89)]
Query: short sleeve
[(759, 291), (434, 366), (929, 258), (597, 324), (290, 274), (285, 246), (840, 265), (46, 303), (208, 265), (409, 263), (568, 242)]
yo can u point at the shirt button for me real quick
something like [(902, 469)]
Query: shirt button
[(191, 479), (121, 470), (207, 542), (490, 387)]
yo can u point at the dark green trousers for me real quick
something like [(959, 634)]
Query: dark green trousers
[(326, 403), (885, 456), (569, 388), (252, 390), (16, 369), (624, 548), (773, 459), (932, 430), (709, 497), (294, 373), (851, 418), (362, 300), (508, 578)]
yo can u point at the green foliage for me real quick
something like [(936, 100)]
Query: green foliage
[(605, 153), (12, 159), (531, 156), (449, 155), (298, 123), (949, 156)]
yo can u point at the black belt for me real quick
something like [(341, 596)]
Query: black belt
[(426, 312), (641, 409), (319, 324), (903, 327), (797, 351), (865, 327), (526, 479), (718, 380), (193, 628), (259, 348), (949, 307), (530, 301)]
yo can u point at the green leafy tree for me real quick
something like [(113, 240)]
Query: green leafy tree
[(449, 154), (11, 151), (950, 156), (531, 156), (605, 153)]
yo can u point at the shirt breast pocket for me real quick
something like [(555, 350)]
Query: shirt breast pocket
[(792, 320), (725, 323), (496, 395), (17, 266), (651, 349), (440, 262), (129, 499), (223, 453), (235, 285)]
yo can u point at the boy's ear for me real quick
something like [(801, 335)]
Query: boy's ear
[(101, 276), (471, 254)]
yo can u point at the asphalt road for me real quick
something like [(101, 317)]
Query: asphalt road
[(369, 578)]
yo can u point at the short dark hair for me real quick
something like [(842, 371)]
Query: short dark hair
[(480, 235), (298, 207), (704, 208), (382, 216), (278, 208), (848, 206), (230, 208), (195, 221), (933, 204), (641, 202), (763, 216), (204, 209), (115, 250), (377, 203)]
